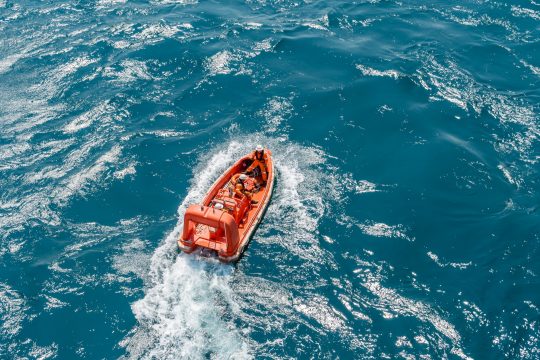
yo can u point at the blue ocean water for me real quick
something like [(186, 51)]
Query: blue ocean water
[(405, 222)]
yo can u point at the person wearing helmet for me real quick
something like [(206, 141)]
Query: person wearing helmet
[(259, 159), (240, 188)]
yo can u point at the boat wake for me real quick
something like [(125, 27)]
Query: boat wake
[(199, 308), (192, 306), (181, 313)]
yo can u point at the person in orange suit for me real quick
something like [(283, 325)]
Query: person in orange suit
[(240, 189), (259, 159)]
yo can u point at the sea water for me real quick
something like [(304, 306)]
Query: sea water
[(405, 220)]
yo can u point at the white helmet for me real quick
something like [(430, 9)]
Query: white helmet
[(259, 148), (219, 206), (243, 177)]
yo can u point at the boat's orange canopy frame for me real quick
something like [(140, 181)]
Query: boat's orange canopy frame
[(217, 219)]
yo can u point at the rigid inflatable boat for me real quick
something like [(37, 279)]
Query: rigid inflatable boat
[(224, 221)]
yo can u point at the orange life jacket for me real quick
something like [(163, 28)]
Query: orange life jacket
[(249, 184), (259, 155)]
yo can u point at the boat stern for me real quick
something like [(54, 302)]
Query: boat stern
[(209, 228)]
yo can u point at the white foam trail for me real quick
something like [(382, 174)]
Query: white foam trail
[(188, 301), (299, 202), (181, 314), (181, 317)]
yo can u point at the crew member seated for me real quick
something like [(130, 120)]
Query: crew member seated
[(259, 159), (241, 189)]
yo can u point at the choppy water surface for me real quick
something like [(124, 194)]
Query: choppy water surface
[(405, 222)]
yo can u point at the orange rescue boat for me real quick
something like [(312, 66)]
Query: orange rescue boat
[(225, 221)]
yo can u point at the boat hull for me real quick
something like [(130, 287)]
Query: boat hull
[(227, 232)]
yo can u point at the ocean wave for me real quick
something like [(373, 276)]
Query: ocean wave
[(367, 71), (81, 126), (468, 17), (100, 4), (174, 2), (130, 70), (525, 12), (324, 314), (455, 265), (534, 69), (233, 62), (8, 61), (77, 182), (320, 24), (384, 230), (250, 25), (47, 187), (275, 112), (522, 339), (130, 170), (220, 63), (14, 311), (136, 36), (456, 86), (86, 119), (393, 304)]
